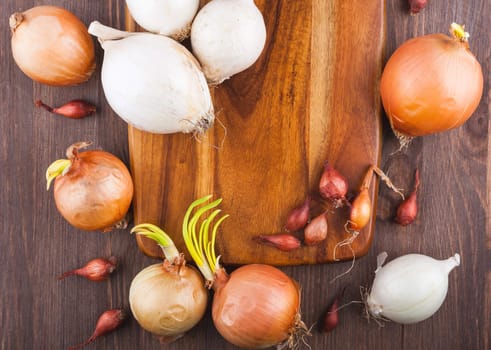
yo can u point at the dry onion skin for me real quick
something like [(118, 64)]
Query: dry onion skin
[(170, 298), (257, 306), (431, 84), (52, 46), (93, 190)]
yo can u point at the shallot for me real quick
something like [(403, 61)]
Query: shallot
[(97, 269), (74, 109), (299, 216), (285, 242), (408, 209), (107, 322)]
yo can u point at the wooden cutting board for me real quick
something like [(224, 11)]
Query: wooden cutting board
[(312, 96)]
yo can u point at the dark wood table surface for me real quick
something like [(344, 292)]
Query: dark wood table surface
[(39, 312)]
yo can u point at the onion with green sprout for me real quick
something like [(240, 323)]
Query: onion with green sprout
[(257, 306), (169, 298)]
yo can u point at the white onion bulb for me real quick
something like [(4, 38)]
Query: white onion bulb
[(153, 82), (167, 17), (227, 37), (411, 288)]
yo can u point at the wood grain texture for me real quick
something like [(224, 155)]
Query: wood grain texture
[(311, 97), (39, 312)]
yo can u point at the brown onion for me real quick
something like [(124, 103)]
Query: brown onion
[(52, 46), (256, 307), (431, 84), (93, 189)]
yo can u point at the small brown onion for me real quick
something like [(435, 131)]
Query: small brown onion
[(168, 300), (93, 189), (256, 307), (431, 83), (52, 46)]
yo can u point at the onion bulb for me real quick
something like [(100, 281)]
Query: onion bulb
[(256, 306), (411, 288), (431, 83), (167, 17), (227, 37), (153, 82), (52, 46), (93, 189), (167, 299)]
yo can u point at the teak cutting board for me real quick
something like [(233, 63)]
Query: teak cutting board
[(311, 97)]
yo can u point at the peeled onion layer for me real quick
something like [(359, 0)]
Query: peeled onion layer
[(52, 46), (154, 83), (257, 307), (431, 84), (227, 37), (167, 17), (167, 300)]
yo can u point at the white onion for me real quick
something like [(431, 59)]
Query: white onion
[(167, 17), (411, 288), (227, 37), (153, 83)]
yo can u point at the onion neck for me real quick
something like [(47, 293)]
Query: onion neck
[(15, 20), (220, 280), (459, 33)]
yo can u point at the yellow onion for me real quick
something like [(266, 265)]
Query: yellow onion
[(93, 189), (167, 299), (255, 307), (431, 83), (52, 46)]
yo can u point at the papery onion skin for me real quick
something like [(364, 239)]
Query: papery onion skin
[(52, 46), (166, 17), (96, 192), (431, 84), (167, 300), (257, 307)]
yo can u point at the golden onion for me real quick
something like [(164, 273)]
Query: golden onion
[(52, 46), (431, 83)]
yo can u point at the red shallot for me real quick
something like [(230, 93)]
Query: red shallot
[(333, 185), (74, 109), (97, 269), (416, 5), (316, 230), (299, 216), (107, 322), (285, 242), (408, 209)]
